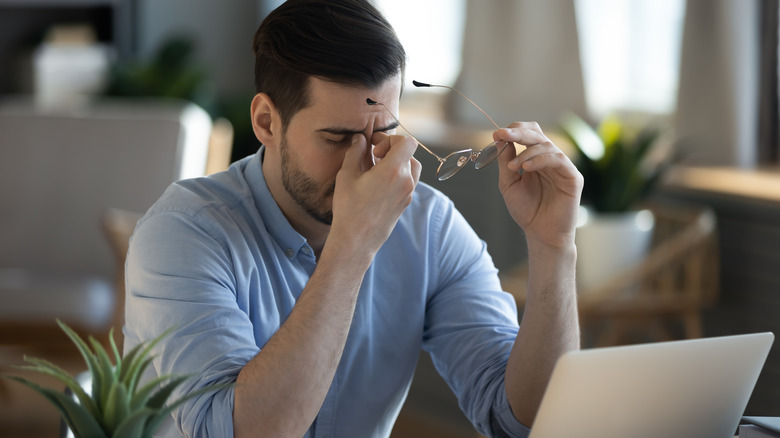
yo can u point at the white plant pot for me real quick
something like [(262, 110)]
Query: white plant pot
[(609, 243)]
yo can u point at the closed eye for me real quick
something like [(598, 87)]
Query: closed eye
[(344, 141)]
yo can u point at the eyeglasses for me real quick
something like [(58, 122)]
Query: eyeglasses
[(454, 162)]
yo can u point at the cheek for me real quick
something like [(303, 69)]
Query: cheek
[(331, 164), (322, 162)]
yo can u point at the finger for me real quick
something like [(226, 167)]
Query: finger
[(531, 126), (552, 160), (508, 170), (532, 151), (509, 153), (396, 149), (526, 134), (381, 142), (368, 157), (416, 170)]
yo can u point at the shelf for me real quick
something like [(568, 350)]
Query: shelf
[(759, 184)]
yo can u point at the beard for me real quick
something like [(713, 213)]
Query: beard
[(305, 191)]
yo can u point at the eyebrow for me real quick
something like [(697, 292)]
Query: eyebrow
[(348, 131)]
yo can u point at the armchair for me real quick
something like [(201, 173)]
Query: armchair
[(59, 175)]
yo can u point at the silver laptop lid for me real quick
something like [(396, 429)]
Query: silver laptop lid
[(692, 388)]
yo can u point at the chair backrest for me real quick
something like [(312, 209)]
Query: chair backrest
[(59, 172)]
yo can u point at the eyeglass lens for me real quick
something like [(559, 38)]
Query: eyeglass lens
[(455, 161)]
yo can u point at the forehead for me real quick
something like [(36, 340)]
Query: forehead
[(345, 105)]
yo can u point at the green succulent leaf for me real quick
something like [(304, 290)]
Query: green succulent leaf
[(157, 400), (107, 376), (135, 425), (583, 136), (48, 368), (78, 419), (117, 406), (143, 394), (610, 130), (615, 160), (136, 375), (128, 361), (89, 358), (117, 354), (140, 361)]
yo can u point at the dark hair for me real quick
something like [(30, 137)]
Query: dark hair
[(347, 42)]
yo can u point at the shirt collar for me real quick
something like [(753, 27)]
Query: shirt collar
[(289, 240)]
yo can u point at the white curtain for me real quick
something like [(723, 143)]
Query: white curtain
[(717, 111), (520, 62)]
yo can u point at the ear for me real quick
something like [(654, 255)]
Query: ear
[(266, 122)]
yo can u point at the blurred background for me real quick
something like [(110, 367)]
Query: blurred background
[(103, 103)]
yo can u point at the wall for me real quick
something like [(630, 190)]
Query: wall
[(222, 31)]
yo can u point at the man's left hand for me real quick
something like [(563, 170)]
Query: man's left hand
[(544, 197)]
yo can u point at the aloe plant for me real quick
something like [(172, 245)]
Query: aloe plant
[(118, 406), (617, 162)]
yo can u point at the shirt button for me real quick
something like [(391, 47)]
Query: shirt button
[(289, 252), (307, 250)]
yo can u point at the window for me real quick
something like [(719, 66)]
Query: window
[(630, 53), (630, 50), (431, 32)]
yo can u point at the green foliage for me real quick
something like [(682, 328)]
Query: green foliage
[(170, 73), (117, 407), (619, 163)]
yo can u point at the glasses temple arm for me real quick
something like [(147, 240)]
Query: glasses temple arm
[(373, 102), (423, 84)]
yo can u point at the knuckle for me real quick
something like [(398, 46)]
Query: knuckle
[(408, 200), (407, 186)]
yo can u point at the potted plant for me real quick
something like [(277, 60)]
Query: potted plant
[(621, 164), (117, 405)]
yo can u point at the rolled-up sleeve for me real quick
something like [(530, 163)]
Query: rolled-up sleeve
[(178, 278), (471, 326)]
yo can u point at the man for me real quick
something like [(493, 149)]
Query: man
[(312, 273)]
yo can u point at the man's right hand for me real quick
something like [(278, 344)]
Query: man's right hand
[(369, 198)]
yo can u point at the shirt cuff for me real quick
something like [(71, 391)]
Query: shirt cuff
[(504, 423)]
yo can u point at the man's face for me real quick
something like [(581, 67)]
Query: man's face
[(303, 189), (317, 137)]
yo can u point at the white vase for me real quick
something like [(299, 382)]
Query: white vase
[(609, 243)]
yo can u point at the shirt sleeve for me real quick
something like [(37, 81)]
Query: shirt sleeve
[(178, 277), (471, 325)]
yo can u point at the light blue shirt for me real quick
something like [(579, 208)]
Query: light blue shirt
[(216, 259)]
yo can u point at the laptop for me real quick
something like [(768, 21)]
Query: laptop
[(682, 389)]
